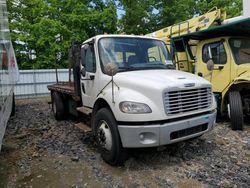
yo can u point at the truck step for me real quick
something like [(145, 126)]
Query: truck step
[(83, 127), (84, 110)]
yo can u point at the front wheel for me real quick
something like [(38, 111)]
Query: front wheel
[(108, 138), (235, 110)]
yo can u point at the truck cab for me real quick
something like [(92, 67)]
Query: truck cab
[(230, 74), (217, 49), (221, 55), (134, 96)]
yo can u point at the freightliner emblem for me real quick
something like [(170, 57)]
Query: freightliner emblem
[(189, 85)]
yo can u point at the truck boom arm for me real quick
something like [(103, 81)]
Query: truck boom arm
[(209, 19)]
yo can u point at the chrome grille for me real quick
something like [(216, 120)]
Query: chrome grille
[(187, 100)]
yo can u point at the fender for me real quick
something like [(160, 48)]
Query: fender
[(127, 94), (242, 79)]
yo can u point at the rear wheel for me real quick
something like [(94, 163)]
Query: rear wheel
[(58, 107), (235, 110), (108, 138)]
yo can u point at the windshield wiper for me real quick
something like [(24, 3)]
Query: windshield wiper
[(156, 66), (162, 66), (124, 69), (169, 66), (153, 67)]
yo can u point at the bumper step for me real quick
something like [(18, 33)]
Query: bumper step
[(84, 110)]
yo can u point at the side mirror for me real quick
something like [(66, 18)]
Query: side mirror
[(86, 46), (210, 65), (111, 69), (83, 72)]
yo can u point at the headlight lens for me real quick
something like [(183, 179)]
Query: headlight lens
[(134, 108)]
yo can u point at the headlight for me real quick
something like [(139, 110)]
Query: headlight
[(134, 108)]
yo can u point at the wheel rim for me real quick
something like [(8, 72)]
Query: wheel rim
[(54, 107), (228, 111), (104, 136)]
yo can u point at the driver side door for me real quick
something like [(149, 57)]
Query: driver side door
[(88, 75), (220, 75)]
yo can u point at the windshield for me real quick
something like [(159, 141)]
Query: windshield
[(134, 53), (241, 50)]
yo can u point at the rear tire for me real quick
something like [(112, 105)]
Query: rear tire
[(58, 107), (236, 110), (108, 138)]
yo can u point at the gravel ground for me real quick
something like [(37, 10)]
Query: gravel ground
[(39, 151)]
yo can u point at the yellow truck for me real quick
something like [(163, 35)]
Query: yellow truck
[(219, 51)]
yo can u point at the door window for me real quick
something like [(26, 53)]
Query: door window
[(217, 51), (241, 50), (90, 63)]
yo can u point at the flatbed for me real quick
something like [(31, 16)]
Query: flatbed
[(65, 88)]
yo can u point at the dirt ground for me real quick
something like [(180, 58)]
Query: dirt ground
[(39, 151)]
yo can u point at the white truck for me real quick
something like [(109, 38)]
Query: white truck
[(133, 95), (8, 72)]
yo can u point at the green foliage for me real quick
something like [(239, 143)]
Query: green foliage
[(232, 7), (145, 16), (46, 28), (174, 11), (139, 17)]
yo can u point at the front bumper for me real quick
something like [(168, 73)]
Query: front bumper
[(162, 134)]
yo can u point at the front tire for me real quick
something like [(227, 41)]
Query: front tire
[(108, 138), (236, 110)]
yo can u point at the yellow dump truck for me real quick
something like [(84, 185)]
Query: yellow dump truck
[(219, 51)]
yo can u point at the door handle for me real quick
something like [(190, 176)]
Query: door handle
[(91, 77), (200, 74), (220, 67)]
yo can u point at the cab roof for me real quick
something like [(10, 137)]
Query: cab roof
[(97, 37)]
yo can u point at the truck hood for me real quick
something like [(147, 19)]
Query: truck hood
[(158, 79)]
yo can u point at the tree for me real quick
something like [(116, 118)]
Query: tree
[(143, 17), (232, 7), (43, 30), (174, 11), (139, 17)]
